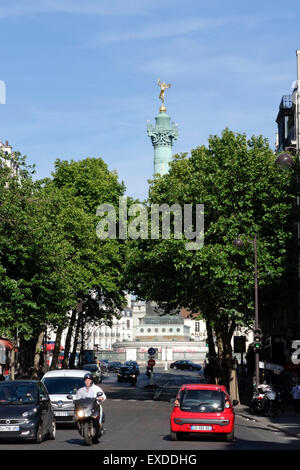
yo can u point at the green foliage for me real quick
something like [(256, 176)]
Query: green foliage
[(243, 192), (50, 255)]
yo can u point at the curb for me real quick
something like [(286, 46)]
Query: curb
[(273, 426)]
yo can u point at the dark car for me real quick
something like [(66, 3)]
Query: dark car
[(133, 364), (125, 373), (26, 411), (95, 370), (185, 365), (113, 366)]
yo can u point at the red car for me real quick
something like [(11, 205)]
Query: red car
[(203, 409)]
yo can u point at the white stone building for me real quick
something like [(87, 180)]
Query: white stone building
[(10, 161)]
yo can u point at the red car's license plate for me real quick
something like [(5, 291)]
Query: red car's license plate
[(201, 428)]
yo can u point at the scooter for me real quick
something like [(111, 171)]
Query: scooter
[(257, 403), (266, 401), (89, 419), (133, 379), (148, 371)]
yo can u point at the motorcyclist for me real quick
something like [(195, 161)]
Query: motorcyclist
[(90, 390)]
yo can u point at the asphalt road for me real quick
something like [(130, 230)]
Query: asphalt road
[(135, 421)]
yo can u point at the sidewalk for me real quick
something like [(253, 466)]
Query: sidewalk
[(287, 421)]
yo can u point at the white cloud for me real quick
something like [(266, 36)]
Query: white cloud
[(162, 30)]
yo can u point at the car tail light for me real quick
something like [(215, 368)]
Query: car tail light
[(176, 402), (227, 404)]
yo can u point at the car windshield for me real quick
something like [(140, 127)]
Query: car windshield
[(18, 393), (63, 385), (126, 369), (202, 401)]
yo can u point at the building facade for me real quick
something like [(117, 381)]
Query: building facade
[(9, 158)]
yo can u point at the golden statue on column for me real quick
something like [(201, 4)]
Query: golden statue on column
[(163, 88)]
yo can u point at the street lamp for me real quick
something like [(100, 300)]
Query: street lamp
[(284, 161), (239, 243)]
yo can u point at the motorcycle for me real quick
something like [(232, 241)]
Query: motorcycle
[(89, 419), (133, 378), (266, 401), (257, 402), (149, 370)]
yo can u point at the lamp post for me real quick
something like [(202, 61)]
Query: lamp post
[(238, 243)]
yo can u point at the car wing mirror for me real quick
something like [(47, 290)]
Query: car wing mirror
[(99, 394), (235, 402), (70, 397)]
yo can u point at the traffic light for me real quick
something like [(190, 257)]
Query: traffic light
[(257, 339)]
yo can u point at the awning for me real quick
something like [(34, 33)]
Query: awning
[(7, 344), (270, 366)]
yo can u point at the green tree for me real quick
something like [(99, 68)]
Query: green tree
[(243, 193), (100, 263)]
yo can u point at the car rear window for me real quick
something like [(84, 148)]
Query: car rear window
[(63, 385), (202, 401)]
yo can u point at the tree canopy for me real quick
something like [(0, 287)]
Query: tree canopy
[(243, 192)]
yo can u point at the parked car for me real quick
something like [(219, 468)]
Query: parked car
[(113, 366), (203, 409), (62, 386), (185, 365), (133, 364), (26, 411), (95, 369)]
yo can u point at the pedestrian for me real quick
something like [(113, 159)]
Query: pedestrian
[(6, 373), (296, 396)]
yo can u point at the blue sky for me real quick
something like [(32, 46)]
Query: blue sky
[(81, 76)]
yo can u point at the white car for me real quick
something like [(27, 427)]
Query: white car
[(62, 386)]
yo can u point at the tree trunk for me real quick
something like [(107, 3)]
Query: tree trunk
[(210, 337), (73, 355), (37, 355), (68, 339), (224, 332), (54, 363)]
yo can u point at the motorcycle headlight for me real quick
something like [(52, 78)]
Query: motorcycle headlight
[(80, 414), (30, 413)]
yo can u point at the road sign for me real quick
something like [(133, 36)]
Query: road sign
[(239, 344), (151, 352), (151, 362)]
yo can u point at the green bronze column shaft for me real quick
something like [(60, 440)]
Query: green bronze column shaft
[(162, 136)]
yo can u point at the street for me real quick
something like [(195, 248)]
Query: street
[(137, 421)]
